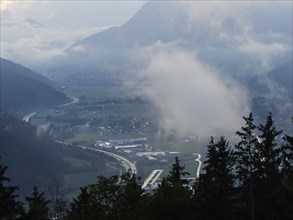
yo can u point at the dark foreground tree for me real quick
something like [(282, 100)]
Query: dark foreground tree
[(10, 207), (245, 156), (173, 199), (109, 198), (287, 159), (57, 201), (177, 173), (38, 206), (215, 185), (287, 176), (269, 190)]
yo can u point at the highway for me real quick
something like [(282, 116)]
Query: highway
[(28, 116), (74, 100), (199, 164), (152, 178), (126, 163)]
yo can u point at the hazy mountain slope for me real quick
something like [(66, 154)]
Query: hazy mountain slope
[(276, 82), (272, 92), (9, 66), (283, 75), (23, 90), (234, 41)]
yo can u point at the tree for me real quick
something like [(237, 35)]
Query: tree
[(173, 199), (287, 158), (57, 201), (177, 173), (129, 201), (10, 208), (287, 175), (85, 206), (215, 186), (109, 198), (269, 190), (38, 206), (245, 156)]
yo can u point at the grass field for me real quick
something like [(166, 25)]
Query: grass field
[(190, 147), (73, 181), (79, 163), (140, 110), (89, 137), (97, 93)]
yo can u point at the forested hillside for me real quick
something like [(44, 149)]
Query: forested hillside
[(22, 90), (35, 159)]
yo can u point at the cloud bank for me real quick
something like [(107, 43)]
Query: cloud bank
[(190, 95), (38, 44)]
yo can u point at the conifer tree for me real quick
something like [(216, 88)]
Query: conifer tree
[(215, 186), (85, 206), (10, 208), (57, 202), (245, 156), (268, 175), (287, 176), (287, 157), (173, 199), (177, 173), (38, 206), (108, 199)]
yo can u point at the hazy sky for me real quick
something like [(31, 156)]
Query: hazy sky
[(58, 24), (71, 14)]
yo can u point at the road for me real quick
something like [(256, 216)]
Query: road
[(126, 163), (28, 116), (199, 165), (74, 100)]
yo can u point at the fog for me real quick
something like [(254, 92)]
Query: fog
[(191, 96)]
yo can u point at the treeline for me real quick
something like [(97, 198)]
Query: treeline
[(251, 180)]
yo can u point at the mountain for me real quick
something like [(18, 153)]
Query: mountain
[(9, 66), (272, 92), (23, 90), (283, 76), (33, 23), (23, 152), (236, 39), (276, 82)]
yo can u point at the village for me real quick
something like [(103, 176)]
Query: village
[(136, 147)]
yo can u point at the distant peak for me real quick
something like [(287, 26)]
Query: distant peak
[(33, 23)]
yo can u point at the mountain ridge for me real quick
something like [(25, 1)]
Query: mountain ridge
[(23, 90)]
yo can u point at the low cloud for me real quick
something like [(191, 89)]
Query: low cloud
[(39, 44), (265, 52), (190, 95), (42, 129)]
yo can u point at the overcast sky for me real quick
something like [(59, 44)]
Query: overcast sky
[(71, 14), (56, 25)]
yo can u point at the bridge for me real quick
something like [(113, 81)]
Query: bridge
[(152, 179)]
